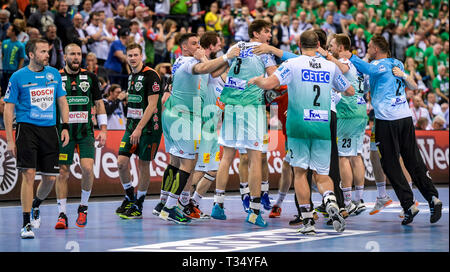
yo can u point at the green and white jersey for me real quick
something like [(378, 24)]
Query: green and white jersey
[(185, 86), (350, 107), (310, 81), (210, 111), (242, 69)]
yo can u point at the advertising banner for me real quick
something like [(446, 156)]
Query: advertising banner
[(433, 146)]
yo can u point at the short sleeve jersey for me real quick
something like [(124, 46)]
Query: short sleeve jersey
[(387, 91), (141, 85), (185, 86), (242, 69), (34, 95), (310, 81), (351, 107), (82, 91)]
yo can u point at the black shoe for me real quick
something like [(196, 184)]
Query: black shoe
[(321, 209), (126, 204), (134, 212), (435, 210), (158, 208), (296, 221), (409, 214)]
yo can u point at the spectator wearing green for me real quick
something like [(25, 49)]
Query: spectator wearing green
[(430, 11), (279, 5), (434, 61), (179, 7), (440, 84), (417, 53), (444, 55), (387, 19)]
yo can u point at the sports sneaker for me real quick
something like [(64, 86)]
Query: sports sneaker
[(360, 207), (351, 208), (409, 214), (27, 232), (296, 221), (265, 201), (321, 209), (62, 222), (191, 211), (337, 219), (308, 227), (344, 213), (402, 212), (256, 219), (380, 204), (134, 212), (35, 218), (435, 209), (275, 212), (157, 210), (174, 214), (218, 212), (245, 202), (82, 216), (126, 204)]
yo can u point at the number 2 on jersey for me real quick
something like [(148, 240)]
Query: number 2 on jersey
[(316, 88)]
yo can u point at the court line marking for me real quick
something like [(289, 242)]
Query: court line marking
[(242, 241)]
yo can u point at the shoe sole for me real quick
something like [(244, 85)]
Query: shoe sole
[(359, 211), (178, 222), (308, 233), (127, 217), (437, 213), (384, 206), (338, 220), (27, 237), (155, 212), (60, 225), (274, 215)]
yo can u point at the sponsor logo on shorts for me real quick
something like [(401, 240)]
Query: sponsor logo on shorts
[(217, 158), (315, 115), (316, 76), (63, 157), (122, 144), (206, 157)]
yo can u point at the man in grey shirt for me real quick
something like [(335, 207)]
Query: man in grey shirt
[(400, 43), (42, 17)]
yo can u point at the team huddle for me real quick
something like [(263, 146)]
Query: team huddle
[(221, 102)]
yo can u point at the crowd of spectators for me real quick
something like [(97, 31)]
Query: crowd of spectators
[(417, 31)]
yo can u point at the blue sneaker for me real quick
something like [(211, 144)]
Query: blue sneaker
[(246, 202), (218, 212), (265, 201), (256, 219)]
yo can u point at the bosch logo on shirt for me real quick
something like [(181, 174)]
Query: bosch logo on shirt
[(316, 76), (42, 97)]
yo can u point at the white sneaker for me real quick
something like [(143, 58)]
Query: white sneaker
[(380, 204), (35, 218), (336, 217), (360, 207), (351, 208), (26, 232), (308, 227)]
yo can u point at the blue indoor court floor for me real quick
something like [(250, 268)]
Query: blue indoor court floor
[(106, 232)]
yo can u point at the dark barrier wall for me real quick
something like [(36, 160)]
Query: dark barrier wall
[(432, 144)]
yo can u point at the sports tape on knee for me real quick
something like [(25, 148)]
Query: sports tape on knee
[(209, 177)]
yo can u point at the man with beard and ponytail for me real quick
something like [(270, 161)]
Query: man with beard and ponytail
[(143, 131), (33, 93), (83, 93)]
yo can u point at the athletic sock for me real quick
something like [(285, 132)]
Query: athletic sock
[(129, 191), (140, 197), (26, 218), (280, 198), (347, 191), (359, 190), (37, 202), (219, 197), (381, 188), (244, 189), (255, 204), (172, 201), (85, 197), (62, 205), (163, 196), (264, 187), (185, 197), (197, 198)]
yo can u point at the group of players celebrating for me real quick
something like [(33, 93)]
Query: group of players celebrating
[(217, 102)]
